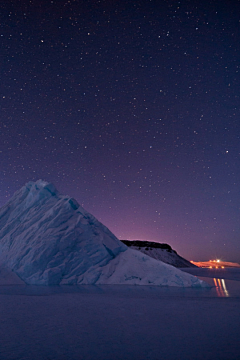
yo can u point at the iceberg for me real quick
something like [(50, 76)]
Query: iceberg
[(47, 238)]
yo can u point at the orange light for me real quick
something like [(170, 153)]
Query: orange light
[(216, 267), (222, 267), (210, 267)]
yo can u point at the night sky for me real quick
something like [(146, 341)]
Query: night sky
[(132, 108)]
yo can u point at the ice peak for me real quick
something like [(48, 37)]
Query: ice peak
[(35, 192), (41, 185), (46, 236)]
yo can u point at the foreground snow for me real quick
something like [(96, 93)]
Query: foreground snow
[(47, 239)]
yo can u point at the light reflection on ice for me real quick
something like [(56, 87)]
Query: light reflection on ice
[(221, 288)]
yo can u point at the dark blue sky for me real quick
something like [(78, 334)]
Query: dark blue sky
[(132, 108)]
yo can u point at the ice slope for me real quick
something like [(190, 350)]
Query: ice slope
[(8, 277), (162, 252), (47, 238), (134, 268)]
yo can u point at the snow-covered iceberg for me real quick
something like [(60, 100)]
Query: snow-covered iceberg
[(48, 239)]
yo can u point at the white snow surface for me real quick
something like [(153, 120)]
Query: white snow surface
[(48, 239), (168, 257)]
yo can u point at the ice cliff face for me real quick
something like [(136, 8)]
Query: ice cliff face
[(47, 238)]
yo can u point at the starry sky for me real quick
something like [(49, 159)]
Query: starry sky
[(132, 108)]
